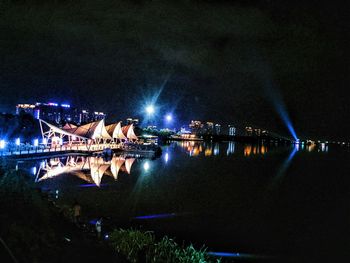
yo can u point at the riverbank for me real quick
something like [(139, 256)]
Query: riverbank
[(35, 230)]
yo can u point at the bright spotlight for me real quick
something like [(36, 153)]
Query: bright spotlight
[(150, 109), (169, 118), (2, 144), (18, 142), (36, 142), (146, 166)]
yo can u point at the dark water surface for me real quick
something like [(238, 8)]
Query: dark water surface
[(288, 202)]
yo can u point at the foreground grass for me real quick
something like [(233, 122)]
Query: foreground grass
[(138, 246)]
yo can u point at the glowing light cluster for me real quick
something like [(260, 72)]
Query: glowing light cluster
[(2, 144), (150, 109), (169, 117)]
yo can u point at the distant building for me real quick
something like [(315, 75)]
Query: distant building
[(231, 130), (84, 116), (27, 108), (209, 128), (248, 131), (59, 113), (217, 129), (135, 122), (256, 132), (264, 133), (196, 127), (53, 112), (98, 116)]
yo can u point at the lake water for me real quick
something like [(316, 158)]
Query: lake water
[(285, 202)]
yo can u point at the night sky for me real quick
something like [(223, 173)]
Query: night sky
[(227, 61)]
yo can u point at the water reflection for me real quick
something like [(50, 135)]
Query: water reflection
[(89, 169), (195, 148), (254, 149), (92, 169), (230, 148)]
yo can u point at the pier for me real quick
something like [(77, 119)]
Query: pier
[(86, 139)]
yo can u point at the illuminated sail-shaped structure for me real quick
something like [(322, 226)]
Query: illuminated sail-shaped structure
[(94, 130), (115, 131), (68, 126), (128, 131), (128, 164)]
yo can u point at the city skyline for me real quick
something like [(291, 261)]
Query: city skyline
[(264, 63)]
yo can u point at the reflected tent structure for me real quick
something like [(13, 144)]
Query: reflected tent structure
[(89, 169)]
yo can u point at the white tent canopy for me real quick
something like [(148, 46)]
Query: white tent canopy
[(129, 132), (55, 129), (115, 130), (93, 130)]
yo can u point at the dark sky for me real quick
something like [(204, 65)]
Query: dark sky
[(227, 61)]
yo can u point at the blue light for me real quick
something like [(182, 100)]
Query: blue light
[(18, 141), (224, 254), (234, 255), (93, 221), (150, 109), (36, 143), (155, 216), (277, 99), (287, 162), (216, 149), (2, 144), (65, 105), (37, 114), (168, 117)]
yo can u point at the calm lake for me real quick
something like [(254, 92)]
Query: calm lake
[(282, 202)]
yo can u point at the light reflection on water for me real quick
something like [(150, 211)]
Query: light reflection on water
[(92, 169), (89, 169), (225, 190)]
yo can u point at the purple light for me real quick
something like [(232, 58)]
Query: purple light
[(155, 216), (37, 114)]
